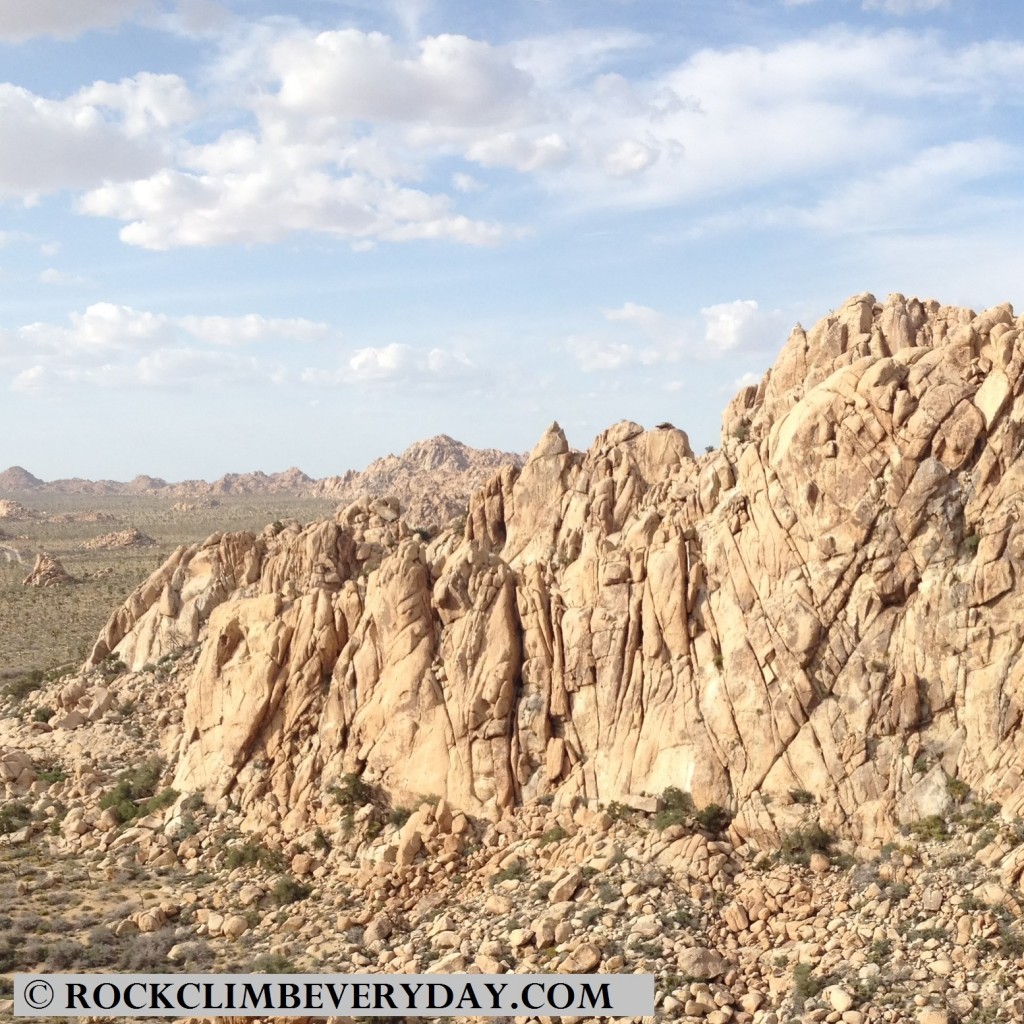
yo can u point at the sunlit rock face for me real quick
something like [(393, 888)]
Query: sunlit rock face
[(830, 602)]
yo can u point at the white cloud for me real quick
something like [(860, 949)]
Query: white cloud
[(600, 354), (253, 328), (645, 316), (106, 132), (55, 144), (900, 195), (22, 19), (53, 276), (646, 336), (391, 361), (353, 75), (900, 7), (392, 364), (145, 103), (346, 133), (115, 346), (729, 326)]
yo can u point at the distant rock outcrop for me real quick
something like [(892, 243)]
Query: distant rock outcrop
[(194, 506), (828, 605), (432, 479), (10, 509), (47, 572), (130, 538), (18, 479)]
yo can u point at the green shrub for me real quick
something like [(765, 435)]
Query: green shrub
[(273, 963), (801, 796), (399, 815), (553, 835), (798, 845), (21, 686), (352, 792), (806, 985), (14, 815), (958, 789), (129, 797), (43, 714), (289, 890), (517, 870), (320, 840), (932, 827), (714, 818), (252, 855)]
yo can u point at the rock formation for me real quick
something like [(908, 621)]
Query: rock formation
[(47, 572), (14, 510), (16, 478), (829, 605), (432, 479), (130, 538)]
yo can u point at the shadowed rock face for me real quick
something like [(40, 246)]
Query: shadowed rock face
[(830, 602)]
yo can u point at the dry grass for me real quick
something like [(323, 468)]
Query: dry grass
[(41, 628)]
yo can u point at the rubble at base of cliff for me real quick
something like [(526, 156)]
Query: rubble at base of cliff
[(926, 927)]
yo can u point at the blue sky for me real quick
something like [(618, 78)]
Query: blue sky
[(254, 235)]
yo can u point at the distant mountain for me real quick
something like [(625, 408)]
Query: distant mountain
[(432, 480), (18, 479)]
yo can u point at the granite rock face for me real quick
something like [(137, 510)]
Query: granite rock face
[(829, 604)]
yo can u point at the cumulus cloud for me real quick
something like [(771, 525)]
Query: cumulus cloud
[(394, 363), (353, 75), (354, 134), (112, 345), (107, 132), (729, 326), (22, 19)]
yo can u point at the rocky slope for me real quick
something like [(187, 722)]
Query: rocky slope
[(828, 604), (103, 867), (432, 479)]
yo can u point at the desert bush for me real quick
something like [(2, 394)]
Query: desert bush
[(289, 890), (399, 816), (250, 855), (798, 845), (130, 796), (14, 815), (932, 827), (553, 835), (516, 870), (714, 818), (352, 792)]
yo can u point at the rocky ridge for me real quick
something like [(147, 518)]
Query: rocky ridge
[(829, 603), (432, 479)]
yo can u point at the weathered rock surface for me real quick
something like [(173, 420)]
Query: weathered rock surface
[(828, 604), (432, 479), (47, 572)]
